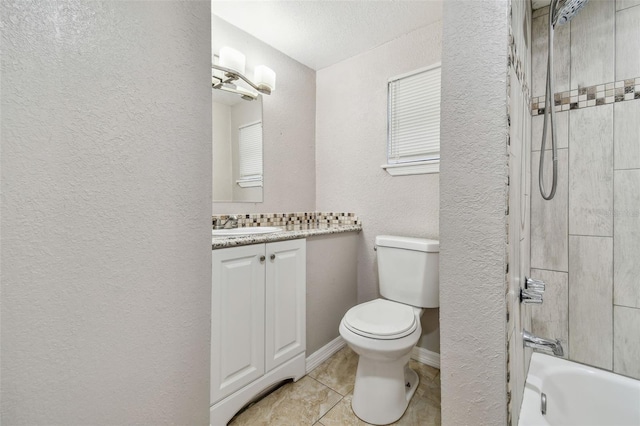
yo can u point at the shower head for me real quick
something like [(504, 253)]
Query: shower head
[(566, 10)]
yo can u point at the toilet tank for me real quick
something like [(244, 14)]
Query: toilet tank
[(408, 270)]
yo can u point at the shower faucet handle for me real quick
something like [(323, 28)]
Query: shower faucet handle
[(534, 285), (530, 296), (532, 291)]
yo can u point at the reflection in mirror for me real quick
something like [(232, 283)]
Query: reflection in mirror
[(237, 148)]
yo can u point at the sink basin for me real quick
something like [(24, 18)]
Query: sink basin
[(239, 232)]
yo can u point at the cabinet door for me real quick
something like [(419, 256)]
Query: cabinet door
[(285, 301), (237, 319)]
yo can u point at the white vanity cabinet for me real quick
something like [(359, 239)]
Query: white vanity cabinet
[(258, 331)]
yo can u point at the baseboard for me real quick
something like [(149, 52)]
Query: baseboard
[(425, 356), (324, 353), (422, 355)]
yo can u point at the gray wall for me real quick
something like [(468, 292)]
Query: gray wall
[(331, 285), (106, 189), (585, 241), (289, 117), (351, 146), (473, 183)]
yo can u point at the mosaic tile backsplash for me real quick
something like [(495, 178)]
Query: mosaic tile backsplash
[(294, 221), (584, 97)]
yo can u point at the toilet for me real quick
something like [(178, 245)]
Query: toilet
[(383, 331)]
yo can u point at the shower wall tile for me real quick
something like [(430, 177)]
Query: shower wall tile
[(525, 193), (517, 119), (549, 222), (525, 236), (551, 318), (628, 43), (593, 45), (590, 96), (520, 368), (626, 345), (514, 224), (515, 377), (562, 131), (541, 11), (518, 211), (561, 55), (601, 236), (522, 34), (591, 171), (526, 324), (627, 134), (590, 295), (623, 4), (627, 239)]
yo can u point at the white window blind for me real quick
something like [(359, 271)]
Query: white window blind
[(250, 154), (414, 118)]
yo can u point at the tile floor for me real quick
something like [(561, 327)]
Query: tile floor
[(323, 398)]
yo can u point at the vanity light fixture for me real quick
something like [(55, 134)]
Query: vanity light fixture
[(231, 68)]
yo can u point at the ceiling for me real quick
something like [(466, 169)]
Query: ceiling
[(320, 33)]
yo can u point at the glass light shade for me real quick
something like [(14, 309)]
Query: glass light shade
[(265, 77), (233, 59)]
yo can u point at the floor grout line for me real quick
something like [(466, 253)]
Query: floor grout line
[(329, 386), (340, 375)]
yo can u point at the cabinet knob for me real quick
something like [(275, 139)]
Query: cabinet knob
[(262, 258), (272, 257)]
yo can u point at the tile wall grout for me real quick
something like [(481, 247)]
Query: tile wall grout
[(633, 93)]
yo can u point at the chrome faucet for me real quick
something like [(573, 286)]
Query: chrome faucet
[(219, 224), (532, 291), (546, 345)]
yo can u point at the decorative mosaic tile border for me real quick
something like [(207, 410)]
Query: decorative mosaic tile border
[(303, 220), (584, 97)]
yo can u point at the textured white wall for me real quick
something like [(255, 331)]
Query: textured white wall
[(351, 141), (106, 189), (289, 116), (473, 175)]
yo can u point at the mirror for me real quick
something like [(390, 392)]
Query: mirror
[(237, 148)]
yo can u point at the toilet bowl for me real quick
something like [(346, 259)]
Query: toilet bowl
[(384, 383), (383, 331)]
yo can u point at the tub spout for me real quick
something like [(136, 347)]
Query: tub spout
[(546, 345)]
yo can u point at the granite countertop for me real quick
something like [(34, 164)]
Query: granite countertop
[(223, 242)]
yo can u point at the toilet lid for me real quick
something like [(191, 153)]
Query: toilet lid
[(382, 319)]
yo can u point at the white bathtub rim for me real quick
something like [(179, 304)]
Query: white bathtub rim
[(550, 364), (544, 366)]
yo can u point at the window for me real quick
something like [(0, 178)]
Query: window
[(250, 155), (413, 140)]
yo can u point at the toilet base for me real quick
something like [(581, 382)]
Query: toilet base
[(383, 389)]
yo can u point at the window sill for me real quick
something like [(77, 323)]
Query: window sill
[(249, 183), (418, 168)]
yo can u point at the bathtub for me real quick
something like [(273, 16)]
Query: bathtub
[(577, 395)]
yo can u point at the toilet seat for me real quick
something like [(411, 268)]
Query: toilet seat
[(381, 319)]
